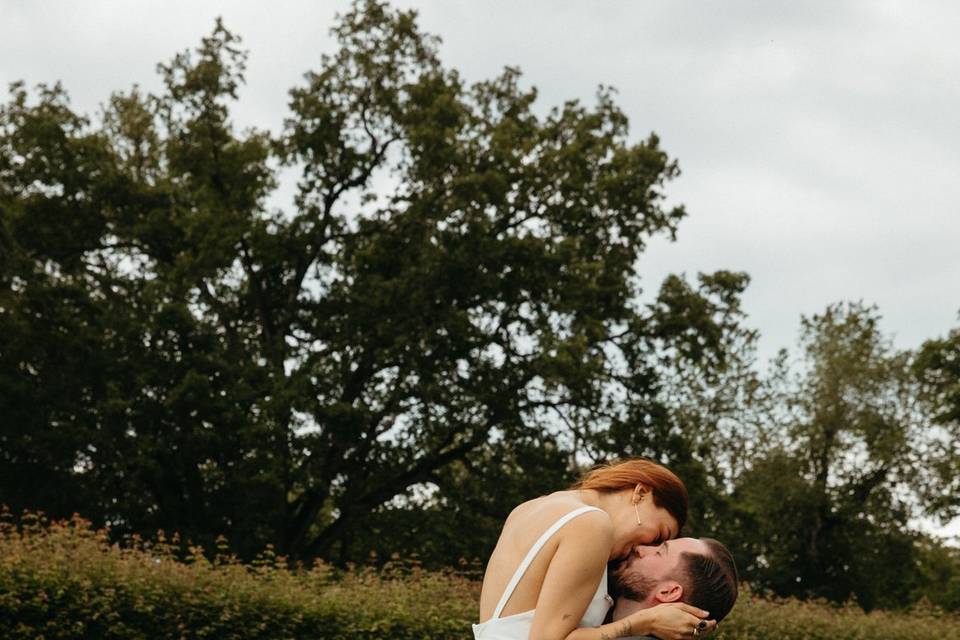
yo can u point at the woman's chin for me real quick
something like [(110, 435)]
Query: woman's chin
[(621, 555)]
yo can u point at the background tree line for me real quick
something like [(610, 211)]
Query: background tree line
[(444, 324)]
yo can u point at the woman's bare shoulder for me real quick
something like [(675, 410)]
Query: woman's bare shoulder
[(539, 512), (560, 501)]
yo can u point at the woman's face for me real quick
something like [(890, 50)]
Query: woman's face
[(656, 525)]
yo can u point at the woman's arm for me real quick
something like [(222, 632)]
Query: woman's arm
[(672, 621), (571, 580)]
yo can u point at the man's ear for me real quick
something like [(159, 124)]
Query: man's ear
[(668, 591)]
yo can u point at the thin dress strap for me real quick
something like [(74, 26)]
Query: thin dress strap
[(534, 550)]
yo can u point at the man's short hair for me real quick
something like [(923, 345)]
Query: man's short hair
[(709, 579)]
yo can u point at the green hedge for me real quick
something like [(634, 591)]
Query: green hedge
[(756, 618), (65, 580)]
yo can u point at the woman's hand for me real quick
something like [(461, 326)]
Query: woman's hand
[(679, 621)]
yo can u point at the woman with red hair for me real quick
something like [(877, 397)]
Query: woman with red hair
[(547, 576)]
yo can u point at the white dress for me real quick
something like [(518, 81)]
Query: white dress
[(517, 626)]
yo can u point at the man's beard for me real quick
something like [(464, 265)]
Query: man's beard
[(632, 585)]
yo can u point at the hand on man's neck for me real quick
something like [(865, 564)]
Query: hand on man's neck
[(666, 592)]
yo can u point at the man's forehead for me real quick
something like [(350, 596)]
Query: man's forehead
[(693, 545), (669, 552)]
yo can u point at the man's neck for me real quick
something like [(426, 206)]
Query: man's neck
[(624, 607)]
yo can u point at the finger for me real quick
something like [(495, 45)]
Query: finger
[(694, 611), (703, 628)]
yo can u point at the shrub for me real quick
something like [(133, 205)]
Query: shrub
[(65, 580), (758, 618)]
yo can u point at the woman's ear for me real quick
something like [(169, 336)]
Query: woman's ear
[(639, 492)]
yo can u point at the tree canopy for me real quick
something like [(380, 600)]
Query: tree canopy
[(447, 321), (458, 272)]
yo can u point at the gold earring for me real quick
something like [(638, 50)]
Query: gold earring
[(636, 507)]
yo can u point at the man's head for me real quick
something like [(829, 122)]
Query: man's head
[(698, 571)]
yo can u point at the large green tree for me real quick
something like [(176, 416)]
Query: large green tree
[(938, 368), (826, 506), (458, 276)]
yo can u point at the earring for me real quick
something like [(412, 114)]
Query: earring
[(636, 505)]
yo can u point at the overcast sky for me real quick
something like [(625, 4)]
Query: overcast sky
[(819, 141)]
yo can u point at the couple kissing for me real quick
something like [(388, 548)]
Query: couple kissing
[(603, 560)]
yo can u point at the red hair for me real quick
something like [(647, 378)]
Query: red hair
[(668, 490)]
